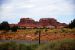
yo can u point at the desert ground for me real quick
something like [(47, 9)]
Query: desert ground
[(32, 34)]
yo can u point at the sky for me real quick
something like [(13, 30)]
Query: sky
[(13, 10)]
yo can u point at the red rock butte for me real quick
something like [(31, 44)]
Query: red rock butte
[(43, 22)]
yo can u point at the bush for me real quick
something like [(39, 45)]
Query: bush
[(4, 26), (72, 24), (14, 28)]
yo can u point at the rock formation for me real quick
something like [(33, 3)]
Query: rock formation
[(43, 22)]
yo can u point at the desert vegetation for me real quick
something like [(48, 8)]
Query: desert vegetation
[(45, 34), (65, 44)]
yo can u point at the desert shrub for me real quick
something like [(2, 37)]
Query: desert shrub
[(73, 31), (46, 30), (8, 46), (27, 46), (54, 31), (67, 30), (64, 30), (67, 44), (14, 28), (17, 46)]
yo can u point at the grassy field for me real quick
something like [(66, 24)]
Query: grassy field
[(65, 44)]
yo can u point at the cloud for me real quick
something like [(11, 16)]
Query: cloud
[(37, 8)]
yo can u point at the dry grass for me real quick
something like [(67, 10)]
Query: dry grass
[(29, 34)]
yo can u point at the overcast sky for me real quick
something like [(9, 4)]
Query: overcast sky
[(13, 10)]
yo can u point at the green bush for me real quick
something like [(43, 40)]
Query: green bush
[(72, 24), (4, 26), (14, 28)]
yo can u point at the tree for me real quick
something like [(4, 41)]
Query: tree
[(4, 26), (72, 24), (0, 27), (14, 28)]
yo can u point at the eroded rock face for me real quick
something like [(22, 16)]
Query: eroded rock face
[(43, 22), (48, 21), (26, 22)]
